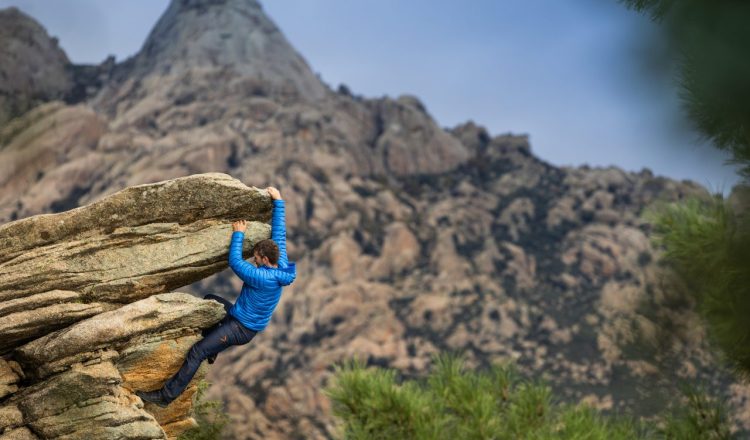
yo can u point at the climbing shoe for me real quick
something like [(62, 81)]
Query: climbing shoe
[(154, 397)]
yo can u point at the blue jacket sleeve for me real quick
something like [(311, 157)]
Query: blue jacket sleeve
[(246, 271), (278, 231)]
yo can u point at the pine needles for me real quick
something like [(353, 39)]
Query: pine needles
[(708, 246), (453, 403)]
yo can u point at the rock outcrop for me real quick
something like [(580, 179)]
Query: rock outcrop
[(86, 313)]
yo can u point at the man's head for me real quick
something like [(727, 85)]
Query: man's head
[(266, 252)]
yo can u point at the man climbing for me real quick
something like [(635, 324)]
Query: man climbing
[(252, 311)]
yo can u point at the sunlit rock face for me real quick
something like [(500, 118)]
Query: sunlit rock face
[(87, 316), (411, 239)]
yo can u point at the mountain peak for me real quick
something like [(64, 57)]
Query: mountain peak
[(227, 35)]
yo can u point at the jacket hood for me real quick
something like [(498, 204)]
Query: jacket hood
[(286, 275)]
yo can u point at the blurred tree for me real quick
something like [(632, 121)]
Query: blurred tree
[(707, 243), (711, 43), (455, 403)]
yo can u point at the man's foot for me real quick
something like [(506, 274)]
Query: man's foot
[(154, 397)]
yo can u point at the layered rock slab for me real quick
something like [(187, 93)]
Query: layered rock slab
[(56, 269), (171, 314), (10, 375), (87, 373), (84, 317)]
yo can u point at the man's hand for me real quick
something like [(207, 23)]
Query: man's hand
[(239, 225), (274, 193)]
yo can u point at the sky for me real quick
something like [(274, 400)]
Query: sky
[(568, 73)]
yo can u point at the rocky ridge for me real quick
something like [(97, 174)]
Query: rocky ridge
[(87, 314), (410, 239), (33, 68)]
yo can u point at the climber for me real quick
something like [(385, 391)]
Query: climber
[(251, 312)]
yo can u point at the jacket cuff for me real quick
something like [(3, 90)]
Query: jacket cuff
[(278, 202)]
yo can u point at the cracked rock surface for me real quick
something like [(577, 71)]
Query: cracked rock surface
[(72, 358)]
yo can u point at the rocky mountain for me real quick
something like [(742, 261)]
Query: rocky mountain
[(33, 68), (410, 239)]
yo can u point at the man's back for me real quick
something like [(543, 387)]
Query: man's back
[(262, 286)]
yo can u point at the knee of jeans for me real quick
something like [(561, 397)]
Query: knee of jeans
[(197, 353)]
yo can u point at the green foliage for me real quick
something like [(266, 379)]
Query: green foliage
[(376, 409), (708, 246), (209, 414), (711, 40), (453, 403), (699, 419)]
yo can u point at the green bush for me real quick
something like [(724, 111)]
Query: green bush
[(453, 403), (700, 418), (708, 247)]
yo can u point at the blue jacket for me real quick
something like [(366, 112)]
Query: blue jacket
[(262, 288)]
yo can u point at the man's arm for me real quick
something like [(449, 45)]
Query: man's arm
[(278, 225), (246, 271)]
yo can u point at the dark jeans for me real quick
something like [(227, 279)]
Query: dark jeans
[(227, 332)]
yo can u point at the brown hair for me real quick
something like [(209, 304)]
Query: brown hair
[(269, 249)]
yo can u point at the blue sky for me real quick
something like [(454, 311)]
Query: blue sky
[(566, 72)]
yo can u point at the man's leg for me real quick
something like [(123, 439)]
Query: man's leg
[(220, 338), (211, 344), (227, 305)]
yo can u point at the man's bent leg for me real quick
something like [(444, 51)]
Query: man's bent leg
[(227, 305), (220, 338), (210, 345)]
